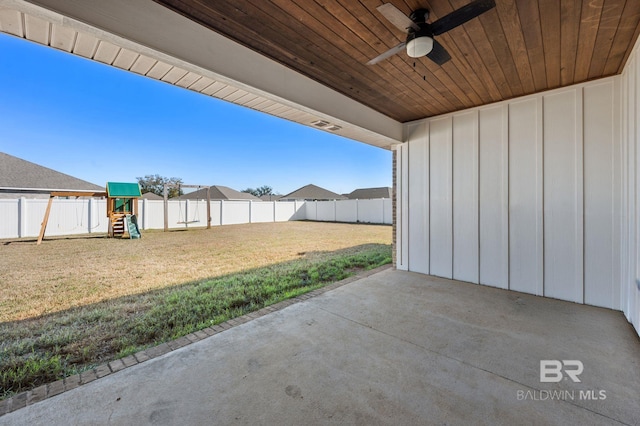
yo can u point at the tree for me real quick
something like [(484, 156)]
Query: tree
[(259, 192), (155, 184)]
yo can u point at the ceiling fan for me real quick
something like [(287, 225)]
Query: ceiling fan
[(420, 35)]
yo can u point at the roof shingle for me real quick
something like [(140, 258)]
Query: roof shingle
[(16, 173), (218, 192), (312, 193), (370, 193)]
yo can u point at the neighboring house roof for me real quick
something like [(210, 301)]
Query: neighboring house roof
[(123, 189), (272, 197), (311, 193), (151, 196), (370, 193), (17, 174), (218, 192)]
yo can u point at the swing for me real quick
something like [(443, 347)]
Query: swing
[(196, 216), (60, 214)]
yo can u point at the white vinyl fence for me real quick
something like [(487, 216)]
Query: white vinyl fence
[(350, 211), (22, 217), (193, 213)]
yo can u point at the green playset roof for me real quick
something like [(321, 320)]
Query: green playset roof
[(123, 189)]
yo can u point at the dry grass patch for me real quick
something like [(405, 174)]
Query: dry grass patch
[(69, 272)]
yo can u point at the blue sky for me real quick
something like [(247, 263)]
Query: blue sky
[(101, 124)]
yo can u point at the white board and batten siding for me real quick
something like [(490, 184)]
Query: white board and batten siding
[(418, 256), (402, 207), (629, 181), (494, 196), (466, 253), (518, 195), (441, 193), (525, 260)]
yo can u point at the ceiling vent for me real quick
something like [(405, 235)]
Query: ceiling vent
[(326, 125), (320, 123)]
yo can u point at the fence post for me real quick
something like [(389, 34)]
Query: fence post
[(22, 217), (145, 213), (274, 211), (208, 207), (165, 197), (250, 204), (221, 212), (90, 215)]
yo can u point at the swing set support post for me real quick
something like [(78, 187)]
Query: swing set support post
[(43, 226)]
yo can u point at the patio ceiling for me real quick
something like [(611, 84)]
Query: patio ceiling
[(519, 47)]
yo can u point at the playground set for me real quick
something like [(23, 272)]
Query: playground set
[(122, 208)]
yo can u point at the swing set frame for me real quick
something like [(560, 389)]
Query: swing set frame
[(54, 194), (165, 193)]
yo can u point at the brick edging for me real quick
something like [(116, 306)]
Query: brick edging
[(49, 390)]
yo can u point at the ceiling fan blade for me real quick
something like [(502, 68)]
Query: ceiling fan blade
[(387, 54), (438, 54), (462, 15), (396, 17)]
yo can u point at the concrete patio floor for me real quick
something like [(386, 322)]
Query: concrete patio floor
[(392, 348)]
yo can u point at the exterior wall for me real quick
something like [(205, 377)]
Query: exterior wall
[(630, 183), (522, 195), (402, 210)]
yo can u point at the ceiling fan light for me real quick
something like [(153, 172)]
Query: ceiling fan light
[(419, 46)]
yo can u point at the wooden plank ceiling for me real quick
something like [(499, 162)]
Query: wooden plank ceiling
[(519, 47)]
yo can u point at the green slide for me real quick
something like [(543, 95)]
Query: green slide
[(131, 223)]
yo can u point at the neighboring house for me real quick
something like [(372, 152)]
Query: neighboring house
[(370, 193), (151, 196), (218, 192), (311, 193), (21, 178), (272, 197)]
